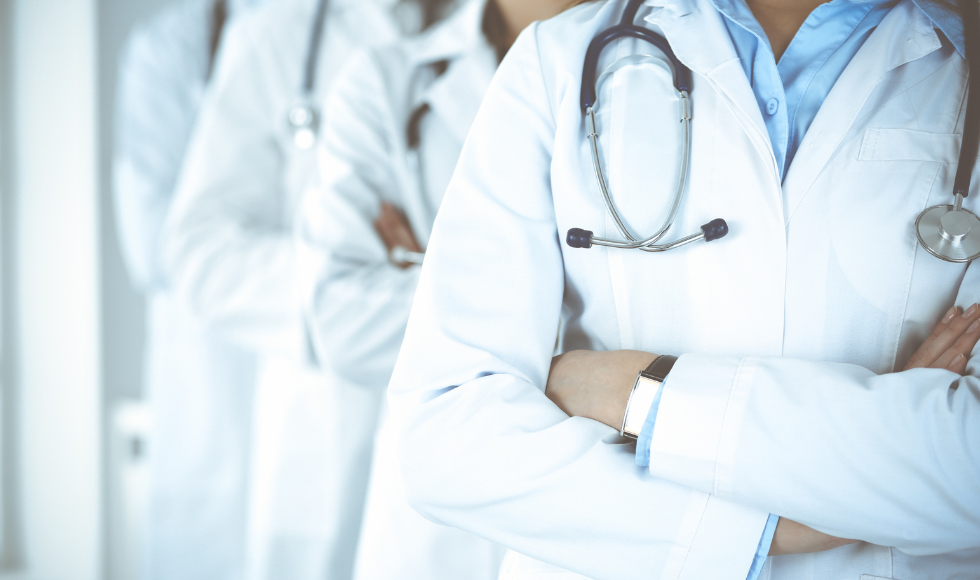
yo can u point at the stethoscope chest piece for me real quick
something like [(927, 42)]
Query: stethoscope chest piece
[(304, 122), (949, 232)]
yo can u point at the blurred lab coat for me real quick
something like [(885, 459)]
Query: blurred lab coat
[(230, 252), (784, 399), (197, 383), (430, 86)]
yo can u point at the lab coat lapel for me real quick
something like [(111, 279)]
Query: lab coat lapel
[(903, 36), (699, 38), (454, 95)]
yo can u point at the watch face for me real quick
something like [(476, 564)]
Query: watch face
[(641, 399)]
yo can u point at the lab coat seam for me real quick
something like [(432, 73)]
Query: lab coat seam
[(544, 82), (730, 427), (908, 283), (682, 555)]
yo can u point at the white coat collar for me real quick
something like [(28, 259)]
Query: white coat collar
[(905, 35), (455, 96), (699, 38), (459, 33)]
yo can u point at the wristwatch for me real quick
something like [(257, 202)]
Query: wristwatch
[(645, 390)]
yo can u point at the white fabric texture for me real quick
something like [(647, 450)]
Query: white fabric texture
[(198, 385), (819, 289), (230, 252), (360, 302)]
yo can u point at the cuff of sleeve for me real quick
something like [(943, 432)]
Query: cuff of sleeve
[(725, 542), (646, 434), (698, 422), (764, 544)]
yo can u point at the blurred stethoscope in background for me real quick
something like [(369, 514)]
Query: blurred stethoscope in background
[(304, 116), (400, 255), (948, 232)]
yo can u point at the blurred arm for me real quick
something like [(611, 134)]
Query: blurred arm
[(358, 300)]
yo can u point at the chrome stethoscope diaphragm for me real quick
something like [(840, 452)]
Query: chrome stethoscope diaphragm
[(950, 232), (580, 238), (304, 123)]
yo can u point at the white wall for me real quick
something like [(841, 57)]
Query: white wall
[(56, 287), (71, 327)]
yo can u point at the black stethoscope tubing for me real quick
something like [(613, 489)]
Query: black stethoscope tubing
[(312, 48)]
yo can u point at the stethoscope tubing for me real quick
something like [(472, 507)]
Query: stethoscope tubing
[(631, 242)]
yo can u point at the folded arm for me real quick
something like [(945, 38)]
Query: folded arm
[(483, 448), (228, 243), (155, 112), (889, 459), (358, 301)]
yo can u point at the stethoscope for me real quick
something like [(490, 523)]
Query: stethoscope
[(579, 238), (948, 232), (413, 143), (304, 116)]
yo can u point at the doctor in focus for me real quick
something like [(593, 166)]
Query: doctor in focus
[(400, 115), (759, 218), (231, 258), (197, 382)]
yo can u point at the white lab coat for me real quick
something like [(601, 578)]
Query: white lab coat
[(360, 302), (197, 383), (231, 256), (783, 400)]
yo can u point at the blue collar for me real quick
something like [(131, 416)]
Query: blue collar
[(949, 23)]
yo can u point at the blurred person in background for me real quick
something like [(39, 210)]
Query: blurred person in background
[(198, 384), (399, 116), (229, 251)]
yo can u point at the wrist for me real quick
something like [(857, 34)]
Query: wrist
[(645, 390)]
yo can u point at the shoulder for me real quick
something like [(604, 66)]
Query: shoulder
[(563, 40), (174, 38)]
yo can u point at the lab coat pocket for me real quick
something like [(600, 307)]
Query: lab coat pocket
[(907, 145), (870, 577)]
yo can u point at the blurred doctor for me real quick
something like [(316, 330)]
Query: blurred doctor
[(229, 250), (400, 116), (789, 396), (198, 384)]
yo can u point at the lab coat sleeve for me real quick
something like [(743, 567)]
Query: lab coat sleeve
[(359, 302), (890, 459), (155, 112), (228, 244), (482, 447)]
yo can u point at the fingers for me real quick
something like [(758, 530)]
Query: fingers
[(384, 226), (955, 358), (394, 230), (950, 343)]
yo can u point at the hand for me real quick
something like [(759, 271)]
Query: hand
[(795, 538), (596, 385), (951, 342), (393, 229)]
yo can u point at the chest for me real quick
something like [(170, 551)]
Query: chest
[(824, 265)]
